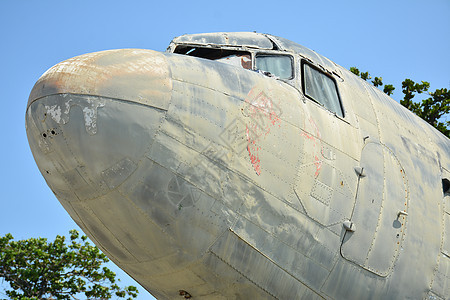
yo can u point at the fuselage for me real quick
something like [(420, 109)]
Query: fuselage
[(245, 166)]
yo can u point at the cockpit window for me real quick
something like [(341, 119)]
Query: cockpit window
[(322, 89), (233, 57), (278, 65)]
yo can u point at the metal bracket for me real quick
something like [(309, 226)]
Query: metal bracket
[(401, 213), (349, 226), (360, 171)]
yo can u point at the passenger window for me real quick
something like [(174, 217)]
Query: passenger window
[(278, 65), (322, 89)]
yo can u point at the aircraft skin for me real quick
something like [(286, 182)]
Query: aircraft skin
[(205, 179)]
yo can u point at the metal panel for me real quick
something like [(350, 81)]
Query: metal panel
[(248, 39), (441, 280), (356, 245), (259, 269), (326, 195), (380, 212), (306, 270)]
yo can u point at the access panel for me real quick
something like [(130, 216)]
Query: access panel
[(380, 213)]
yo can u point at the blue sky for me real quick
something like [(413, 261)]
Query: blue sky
[(393, 39)]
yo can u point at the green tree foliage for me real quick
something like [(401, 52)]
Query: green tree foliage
[(378, 81), (431, 109), (37, 269)]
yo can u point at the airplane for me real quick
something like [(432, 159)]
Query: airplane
[(242, 165)]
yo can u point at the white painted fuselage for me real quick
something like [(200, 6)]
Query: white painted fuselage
[(245, 166)]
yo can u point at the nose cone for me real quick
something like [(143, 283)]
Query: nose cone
[(136, 75), (92, 118), (91, 121)]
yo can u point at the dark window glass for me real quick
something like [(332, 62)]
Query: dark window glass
[(446, 186), (322, 89)]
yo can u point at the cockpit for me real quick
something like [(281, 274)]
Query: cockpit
[(274, 65), (271, 56)]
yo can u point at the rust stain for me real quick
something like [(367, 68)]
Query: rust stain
[(246, 61)]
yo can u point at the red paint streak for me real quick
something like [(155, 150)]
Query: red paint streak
[(318, 164), (317, 146), (262, 117), (254, 160), (308, 136)]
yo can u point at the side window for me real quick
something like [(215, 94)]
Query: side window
[(321, 88), (278, 65)]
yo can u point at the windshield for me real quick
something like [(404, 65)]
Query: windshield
[(274, 65), (278, 65)]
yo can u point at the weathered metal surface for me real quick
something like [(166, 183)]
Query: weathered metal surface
[(202, 176), (382, 192), (240, 39)]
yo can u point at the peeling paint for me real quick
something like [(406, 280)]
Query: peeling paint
[(59, 116), (89, 105)]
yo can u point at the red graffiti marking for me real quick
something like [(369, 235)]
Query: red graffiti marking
[(263, 116), (316, 144), (252, 150)]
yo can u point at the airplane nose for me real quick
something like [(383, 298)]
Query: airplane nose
[(91, 119), (91, 124), (104, 131)]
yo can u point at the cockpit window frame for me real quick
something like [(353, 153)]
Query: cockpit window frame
[(322, 72), (189, 49), (276, 53), (186, 49)]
